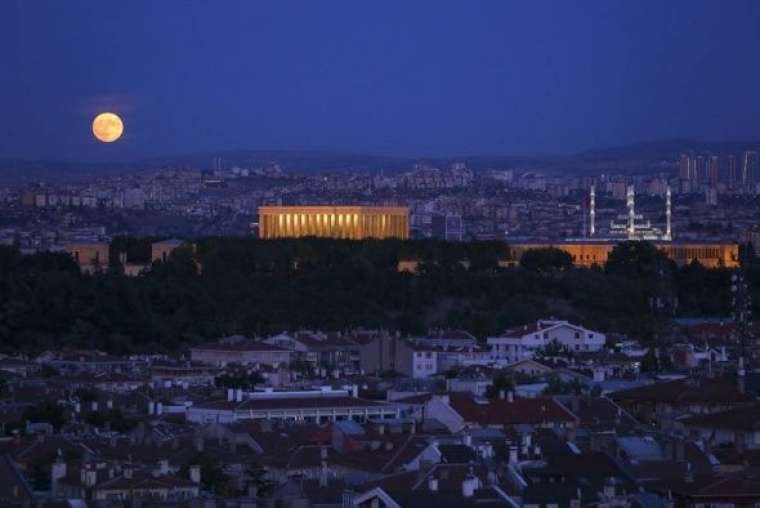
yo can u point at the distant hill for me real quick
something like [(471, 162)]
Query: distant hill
[(645, 158), (640, 158)]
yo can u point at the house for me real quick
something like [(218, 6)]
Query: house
[(147, 485), (458, 410), (239, 350), (330, 351), (94, 362), (442, 485), (165, 373), (739, 427), (672, 399), (532, 368), (318, 406), (14, 488), (416, 359), (522, 342), (377, 352)]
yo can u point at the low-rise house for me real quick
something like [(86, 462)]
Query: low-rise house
[(332, 351), (673, 399), (458, 410), (149, 486), (15, 490), (738, 427), (317, 406), (94, 362), (165, 373), (240, 350), (416, 359), (443, 485), (523, 342)]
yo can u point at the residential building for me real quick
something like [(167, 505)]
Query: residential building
[(521, 343)]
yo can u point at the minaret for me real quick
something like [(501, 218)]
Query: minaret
[(668, 235), (631, 202), (592, 211)]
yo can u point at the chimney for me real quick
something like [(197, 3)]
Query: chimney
[(680, 450), (88, 476), (159, 409), (239, 395), (195, 473), (230, 394), (355, 391), (668, 232), (513, 455), (469, 485), (323, 474), (689, 476), (510, 396), (432, 483), (592, 211), (151, 408), (501, 394), (57, 472)]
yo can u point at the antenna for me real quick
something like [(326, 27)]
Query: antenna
[(668, 235), (631, 202), (592, 211)]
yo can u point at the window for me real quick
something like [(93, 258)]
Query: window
[(577, 335)]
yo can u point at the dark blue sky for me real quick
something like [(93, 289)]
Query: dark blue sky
[(408, 77)]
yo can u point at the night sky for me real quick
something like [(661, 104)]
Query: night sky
[(407, 77)]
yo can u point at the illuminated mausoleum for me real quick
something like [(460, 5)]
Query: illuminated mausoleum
[(351, 222)]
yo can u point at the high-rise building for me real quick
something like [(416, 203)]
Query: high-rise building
[(351, 222), (731, 170), (684, 167), (699, 174), (713, 170), (750, 168)]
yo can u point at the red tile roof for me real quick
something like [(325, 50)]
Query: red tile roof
[(502, 412)]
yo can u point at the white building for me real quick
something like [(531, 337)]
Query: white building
[(522, 342)]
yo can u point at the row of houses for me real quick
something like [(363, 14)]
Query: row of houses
[(415, 357)]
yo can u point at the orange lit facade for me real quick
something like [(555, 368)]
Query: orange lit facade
[(91, 257), (709, 255), (351, 222)]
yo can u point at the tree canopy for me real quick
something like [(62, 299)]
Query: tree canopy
[(256, 287)]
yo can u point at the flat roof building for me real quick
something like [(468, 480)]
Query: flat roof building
[(351, 222), (590, 252)]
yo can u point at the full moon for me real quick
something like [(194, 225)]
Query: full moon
[(107, 127)]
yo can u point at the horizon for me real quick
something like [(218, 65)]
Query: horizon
[(754, 144)]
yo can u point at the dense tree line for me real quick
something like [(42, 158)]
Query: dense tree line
[(246, 286)]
